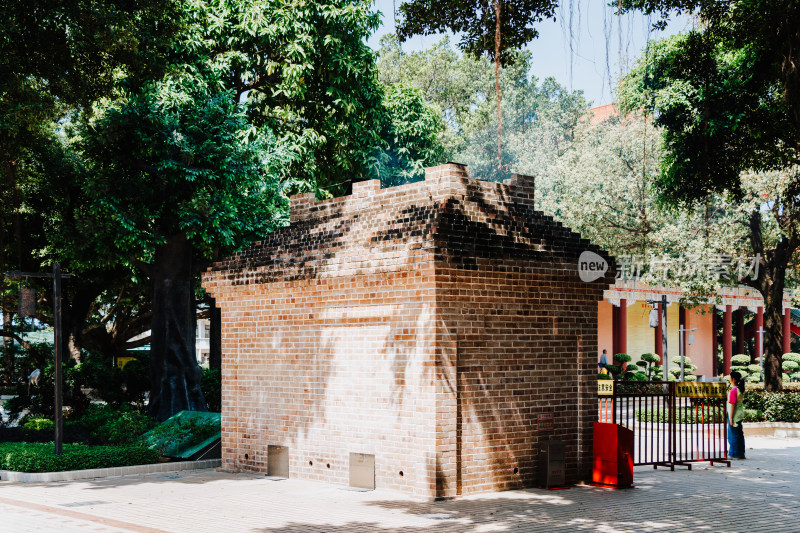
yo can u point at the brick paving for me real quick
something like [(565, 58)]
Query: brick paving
[(756, 495)]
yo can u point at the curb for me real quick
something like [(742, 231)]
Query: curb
[(72, 475)]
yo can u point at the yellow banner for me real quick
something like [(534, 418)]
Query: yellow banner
[(605, 387), (693, 389)]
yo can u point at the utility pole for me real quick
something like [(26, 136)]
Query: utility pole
[(681, 331), (760, 340), (56, 276)]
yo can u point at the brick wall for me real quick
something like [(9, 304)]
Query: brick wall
[(427, 324)]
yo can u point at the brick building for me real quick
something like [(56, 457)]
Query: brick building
[(436, 325)]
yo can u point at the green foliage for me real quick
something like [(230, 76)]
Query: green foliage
[(475, 22), (212, 389), (650, 358), (539, 116), (412, 130), (775, 406), (753, 415), (740, 360), (729, 109), (790, 366), (38, 401), (605, 376), (39, 457), (117, 426), (38, 424), (614, 370), (114, 385), (621, 358), (686, 415), (792, 357), (795, 376), (179, 432)]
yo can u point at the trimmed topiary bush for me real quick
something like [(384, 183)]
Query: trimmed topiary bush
[(740, 360)]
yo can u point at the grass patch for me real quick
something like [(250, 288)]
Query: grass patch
[(38, 457)]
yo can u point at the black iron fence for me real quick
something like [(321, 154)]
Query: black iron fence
[(673, 423)]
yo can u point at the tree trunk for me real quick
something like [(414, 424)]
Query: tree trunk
[(770, 283), (497, 84), (175, 375)]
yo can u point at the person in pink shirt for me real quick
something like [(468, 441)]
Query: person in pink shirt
[(735, 410)]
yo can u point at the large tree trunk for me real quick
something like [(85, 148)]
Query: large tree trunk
[(770, 283), (174, 373), (497, 84)]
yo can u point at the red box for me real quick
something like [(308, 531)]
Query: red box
[(613, 455)]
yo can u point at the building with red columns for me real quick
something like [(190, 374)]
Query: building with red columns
[(623, 324)]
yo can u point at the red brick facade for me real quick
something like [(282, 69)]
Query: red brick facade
[(429, 324)]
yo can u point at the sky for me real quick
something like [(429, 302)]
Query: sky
[(602, 44)]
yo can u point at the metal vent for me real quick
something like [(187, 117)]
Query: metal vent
[(362, 471), (278, 461)]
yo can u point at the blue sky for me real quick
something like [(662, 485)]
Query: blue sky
[(602, 44)]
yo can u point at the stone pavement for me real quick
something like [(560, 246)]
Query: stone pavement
[(759, 494)]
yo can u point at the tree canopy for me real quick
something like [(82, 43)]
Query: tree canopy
[(727, 96)]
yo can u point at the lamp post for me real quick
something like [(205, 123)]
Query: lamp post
[(664, 357), (56, 276), (681, 331)]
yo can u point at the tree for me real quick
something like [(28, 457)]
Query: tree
[(728, 99), (412, 131), (184, 178), (541, 117), (495, 32), (55, 56)]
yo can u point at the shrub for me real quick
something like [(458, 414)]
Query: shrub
[(688, 369), (795, 376), (183, 430), (37, 424), (686, 415), (116, 386), (621, 358), (107, 425), (791, 356), (605, 376), (790, 366), (775, 406), (38, 457), (782, 407), (754, 370), (740, 360), (753, 415)]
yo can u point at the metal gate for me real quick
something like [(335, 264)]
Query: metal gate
[(673, 423)]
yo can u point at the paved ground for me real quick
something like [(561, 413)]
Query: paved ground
[(758, 494)]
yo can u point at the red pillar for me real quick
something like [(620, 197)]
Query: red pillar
[(740, 330), (727, 345), (714, 341), (659, 339), (787, 330), (759, 338), (623, 326), (614, 333)]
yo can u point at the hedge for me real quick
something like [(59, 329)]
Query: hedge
[(683, 415), (38, 457), (774, 406)]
